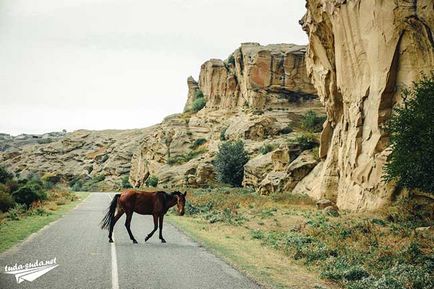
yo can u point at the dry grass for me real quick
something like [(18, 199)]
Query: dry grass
[(347, 249)]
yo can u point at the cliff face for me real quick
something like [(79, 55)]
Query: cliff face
[(360, 54), (256, 77), (254, 95)]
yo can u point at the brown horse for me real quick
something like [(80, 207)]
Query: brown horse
[(144, 203)]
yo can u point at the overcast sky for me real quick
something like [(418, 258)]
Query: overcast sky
[(99, 64)]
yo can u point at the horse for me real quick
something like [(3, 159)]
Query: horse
[(144, 203)]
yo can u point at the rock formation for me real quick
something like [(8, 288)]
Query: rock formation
[(253, 95), (82, 153), (255, 76), (360, 55)]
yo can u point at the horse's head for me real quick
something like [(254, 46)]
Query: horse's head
[(180, 203)]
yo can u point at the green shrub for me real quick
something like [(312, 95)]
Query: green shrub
[(257, 234), (286, 130), (180, 159), (231, 59), (222, 134), (5, 175), (6, 200), (312, 122), (306, 141), (76, 185), (29, 193), (98, 178), (198, 94), (411, 128), (152, 181), (16, 212), (400, 276), (229, 162), (198, 143), (265, 149), (125, 183), (198, 104), (341, 270)]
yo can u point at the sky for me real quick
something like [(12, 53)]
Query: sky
[(118, 64)]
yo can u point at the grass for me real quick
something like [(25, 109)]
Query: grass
[(376, 250), (17, 225), (264, 265)]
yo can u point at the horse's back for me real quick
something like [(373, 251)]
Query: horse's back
[(141, 202)]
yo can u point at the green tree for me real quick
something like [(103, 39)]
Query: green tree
[(411, 128), (229, 162)]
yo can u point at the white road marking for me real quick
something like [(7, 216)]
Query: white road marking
[(115, 280)]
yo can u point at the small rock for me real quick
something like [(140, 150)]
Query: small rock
[(324, 203)]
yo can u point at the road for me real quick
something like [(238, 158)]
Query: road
[(86, 260)]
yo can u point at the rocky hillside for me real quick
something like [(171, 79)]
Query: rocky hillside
[(360, 55), (81, 154), (258, 94)]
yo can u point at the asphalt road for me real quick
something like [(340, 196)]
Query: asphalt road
[(86, 260)]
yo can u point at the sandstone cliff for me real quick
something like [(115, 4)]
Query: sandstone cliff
[(360, 54), (255, 76), (254, 95)]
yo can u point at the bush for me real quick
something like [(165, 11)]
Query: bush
[(198, 104), (306, 141), (77, 185), (411, 129), (340, 269), (198, 143), (231, 59), (223, 134), (286, 130), (29, 193), (125, 183), (312, 122), (6, 200), (16, 212), (198, 94), (400, 276), (152, 181), (5, 175), (229, 162), (265, 149)]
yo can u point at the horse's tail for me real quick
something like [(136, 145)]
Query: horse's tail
[(110, 215)]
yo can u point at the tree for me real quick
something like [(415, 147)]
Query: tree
[(229, 162), (411, 128)]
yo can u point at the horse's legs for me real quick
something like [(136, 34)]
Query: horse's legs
[(155, 227), (127, 225), (161, 229), (112, 225)]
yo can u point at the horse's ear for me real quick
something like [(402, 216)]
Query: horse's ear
[(185, 194)]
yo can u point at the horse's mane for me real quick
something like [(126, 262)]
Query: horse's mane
[(175, 193)]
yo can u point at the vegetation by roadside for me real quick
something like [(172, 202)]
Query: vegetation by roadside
[(17, 224), (390, 249), (28, 204)]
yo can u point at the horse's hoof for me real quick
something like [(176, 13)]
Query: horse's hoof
[(110, 241), (163, 241), (135, 242)]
